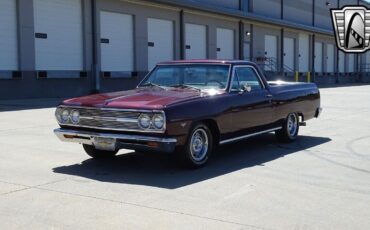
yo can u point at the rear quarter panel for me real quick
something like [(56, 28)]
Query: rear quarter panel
[(303, 98)]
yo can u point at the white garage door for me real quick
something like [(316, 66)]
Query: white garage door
[(225, 44), (196, 41), (160, 41), (8, 38), (58, 32), (318, 57), (289, 53), (367, 62), (341, 62), (351, 63), (247, 51), (330, 58), (270, 51), (117, 42), (304, 53)]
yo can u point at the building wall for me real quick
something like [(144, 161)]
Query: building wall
[(26, 81), (299, 11), (322, 15), (231, 4), (274, 8)]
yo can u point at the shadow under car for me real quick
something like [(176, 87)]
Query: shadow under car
[(160, 170)]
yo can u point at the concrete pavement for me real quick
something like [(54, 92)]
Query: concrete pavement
[(320, 182)]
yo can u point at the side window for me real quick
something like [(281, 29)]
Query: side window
[(244, 76)]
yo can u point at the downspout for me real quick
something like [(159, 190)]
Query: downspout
[(94, 68), (241, 40), (313, 13), (337, 66), (241, 32), (313, 58), (282, 71), (359, 60), (182, 33), (282, 40), (313, 44)]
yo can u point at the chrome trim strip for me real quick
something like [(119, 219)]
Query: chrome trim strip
[(110, 109), (113, 129), (248, 136), (83, 137), (128, 120)]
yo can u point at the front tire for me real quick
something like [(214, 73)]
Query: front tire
[(290, 129), (198, 148), (98, 154)]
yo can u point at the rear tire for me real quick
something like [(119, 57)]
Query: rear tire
[(198, 148), (290, 129), (98, 154)]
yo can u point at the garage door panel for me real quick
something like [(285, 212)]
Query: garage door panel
[(289, 53), (330, 58), (118, 53), (341, 61), (318, 57), (367, 62), (161, 35), (61, 21), (351, 63), (304, 53), (225, 43), (196, 41), (9, 37), (270, 51)]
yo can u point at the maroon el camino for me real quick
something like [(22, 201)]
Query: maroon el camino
[(188, 108)]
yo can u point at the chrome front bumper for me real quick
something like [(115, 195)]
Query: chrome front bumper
[(123, 141)]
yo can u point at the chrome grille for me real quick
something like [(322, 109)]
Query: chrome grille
[(106, 124), (111, 119), (84, 112)]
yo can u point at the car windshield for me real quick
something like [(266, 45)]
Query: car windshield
[(194, 76)]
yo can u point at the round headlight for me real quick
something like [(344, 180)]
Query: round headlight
[(158, 121), (64, 116), (58, 114), (144, 121), (75, 116)]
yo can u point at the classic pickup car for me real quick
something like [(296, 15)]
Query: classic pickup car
[(188, 108)]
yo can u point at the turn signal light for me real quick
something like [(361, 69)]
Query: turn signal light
[(153, 144)]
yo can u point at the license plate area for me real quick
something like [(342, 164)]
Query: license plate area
[(106, 144)]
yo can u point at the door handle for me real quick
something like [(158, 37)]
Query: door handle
[(269, 95)]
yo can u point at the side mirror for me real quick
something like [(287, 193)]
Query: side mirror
[(247, 88)]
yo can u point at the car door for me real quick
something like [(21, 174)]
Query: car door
[(252, 101)]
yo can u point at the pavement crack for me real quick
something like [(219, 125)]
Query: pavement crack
[(27, 187), (155, 208)]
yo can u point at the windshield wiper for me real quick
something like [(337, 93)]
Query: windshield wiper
[(186, 86), (150, 84)]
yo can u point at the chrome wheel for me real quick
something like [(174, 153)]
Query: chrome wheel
[(199, 145), (292, 125)]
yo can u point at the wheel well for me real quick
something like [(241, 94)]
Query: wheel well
[(301, 116), (212, 125)]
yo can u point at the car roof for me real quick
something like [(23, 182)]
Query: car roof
[(206, 61)]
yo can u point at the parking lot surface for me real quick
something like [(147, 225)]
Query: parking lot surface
[(322, 181)]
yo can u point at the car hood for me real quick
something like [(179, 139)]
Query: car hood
[(141, 98)]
